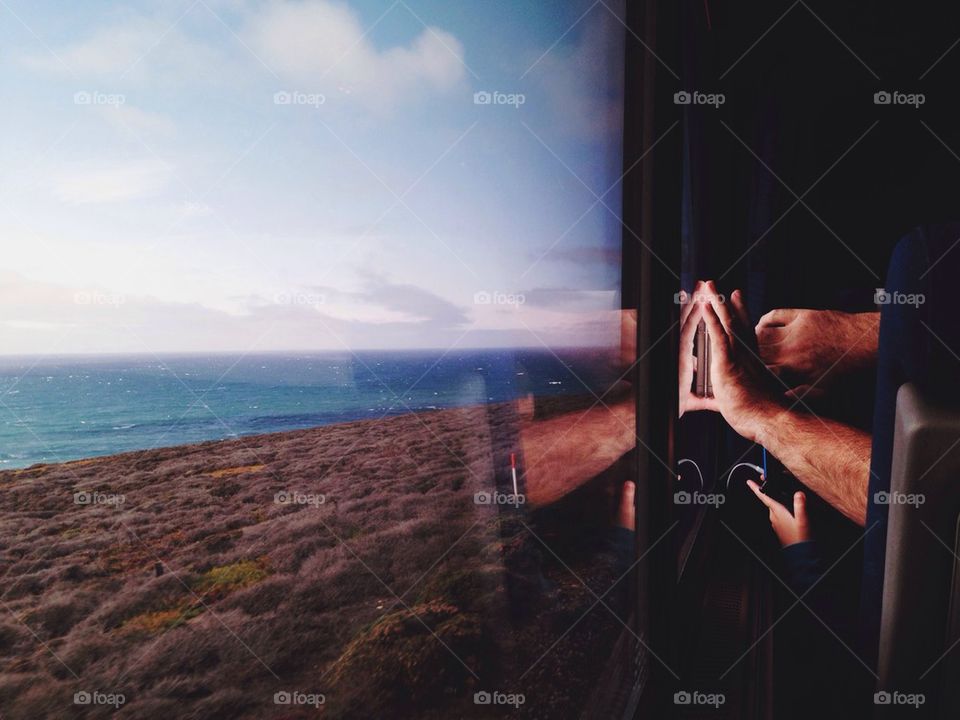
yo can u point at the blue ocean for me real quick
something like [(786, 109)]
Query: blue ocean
[(57, 409)]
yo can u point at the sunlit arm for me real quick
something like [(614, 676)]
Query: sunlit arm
[(831, 458)]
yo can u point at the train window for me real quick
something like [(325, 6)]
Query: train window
[(317, 386)]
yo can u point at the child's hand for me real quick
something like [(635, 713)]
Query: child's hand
[(790, 529)]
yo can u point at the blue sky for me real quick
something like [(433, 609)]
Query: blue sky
[(158, 195)]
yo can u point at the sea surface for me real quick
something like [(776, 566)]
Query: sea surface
[(57, 409)]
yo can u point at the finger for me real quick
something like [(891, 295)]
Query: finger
[(720, 305), (773, 505), (699, 289), (740, 309), (626, 516), (759, 493), (628, 337), (722, 309), (686, 306), (771, 335), (800, 507), (778, 317), (688, 302), (688, 332), (719, 340), (689, 313)]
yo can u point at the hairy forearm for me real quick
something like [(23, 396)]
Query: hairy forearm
[(564, 452), (863, 334), (830, 458)]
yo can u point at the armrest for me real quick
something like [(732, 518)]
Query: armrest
[(920, 601)]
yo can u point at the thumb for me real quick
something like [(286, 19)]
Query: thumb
[(777, 318), (800, 507)]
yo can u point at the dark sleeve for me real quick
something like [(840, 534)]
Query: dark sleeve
[(802, 565), (620, 544)]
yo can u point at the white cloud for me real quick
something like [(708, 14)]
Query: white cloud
[(380, 301), (47, 317), (136, 48), (315, 45), (110, 183), (323, 46)]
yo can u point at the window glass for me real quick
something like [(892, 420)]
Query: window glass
[(315, 386)]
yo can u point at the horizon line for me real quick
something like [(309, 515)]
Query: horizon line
[(147, 354)]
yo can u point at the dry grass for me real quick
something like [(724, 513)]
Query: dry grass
[(200, 596), (227, 578), (233, 471), (158, 621)]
